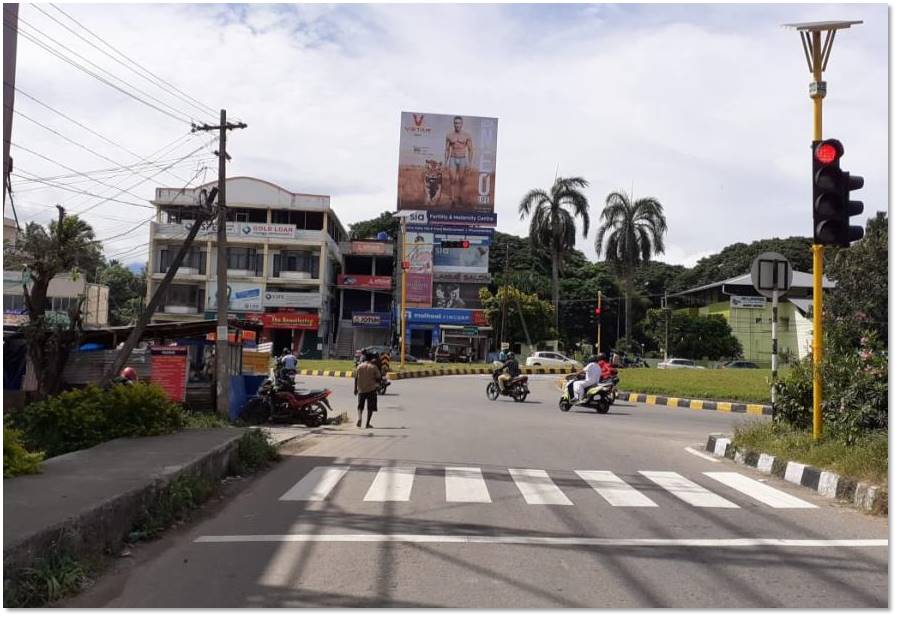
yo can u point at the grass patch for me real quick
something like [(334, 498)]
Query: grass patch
[(204, 420), (866, 460), (739, 385), (171, 504), (254, 452), (48, 580)]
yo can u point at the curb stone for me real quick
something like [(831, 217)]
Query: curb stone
[(751, 409), (393, 375), (863, 496)]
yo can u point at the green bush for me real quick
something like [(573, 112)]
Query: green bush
[(254, 451), (84, 418), (855, 387), (17, 460)]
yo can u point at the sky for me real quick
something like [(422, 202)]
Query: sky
[(704, 107)]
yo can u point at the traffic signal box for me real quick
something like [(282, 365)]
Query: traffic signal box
[(832, 206)]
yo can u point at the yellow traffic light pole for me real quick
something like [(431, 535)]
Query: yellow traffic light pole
[(817, 54)]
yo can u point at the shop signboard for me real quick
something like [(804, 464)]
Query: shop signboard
[(447, 162), (748, 302), (364, 281), (361, 247), (462, 317), (294, 299), (371, 320), (169, 366), (283, 320), (241, 296)]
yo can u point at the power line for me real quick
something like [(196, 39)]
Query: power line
[(80, 67), (82, 192), (154, 79), (109, 174)]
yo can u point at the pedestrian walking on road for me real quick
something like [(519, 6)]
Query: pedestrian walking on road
[(367, 380)]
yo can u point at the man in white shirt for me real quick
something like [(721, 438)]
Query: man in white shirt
[(593, 376)]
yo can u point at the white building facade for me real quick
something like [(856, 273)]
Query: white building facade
[(283, 256)]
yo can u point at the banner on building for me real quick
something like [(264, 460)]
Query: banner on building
[(291, 321), (169, 366), (749, 302), (293, 299), (364, 281), (361, 247), (419, 255), (462, 317), (475, 258), (241, 296), (483, 278), (371, 320), (456, 295), (447, 162)]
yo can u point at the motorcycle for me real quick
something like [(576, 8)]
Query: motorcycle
[(598, 397), (518, 388), (280, 401)]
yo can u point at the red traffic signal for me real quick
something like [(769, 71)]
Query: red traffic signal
[(455, 244), (598, 310), (829, 151)]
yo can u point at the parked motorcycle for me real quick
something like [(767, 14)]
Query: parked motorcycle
[(517, 388), (597, 397), (280, 401)]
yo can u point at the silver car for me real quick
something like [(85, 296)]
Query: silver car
[(678, 363)]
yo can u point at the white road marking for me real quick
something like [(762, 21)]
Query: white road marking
[(551, 540), (614, 489), (686, 490), (466, 484), (537, 488), (391, 484), (761, 492), (316, 484), (707, 457)]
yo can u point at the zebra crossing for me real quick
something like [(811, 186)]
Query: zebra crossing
[(536, 487)]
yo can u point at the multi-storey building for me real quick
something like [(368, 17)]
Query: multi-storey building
[(283, 255)]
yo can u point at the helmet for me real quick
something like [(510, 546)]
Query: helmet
[(286, 350), (601, 356), (129, 373)]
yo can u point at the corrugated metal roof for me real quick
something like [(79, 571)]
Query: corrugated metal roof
[(802, 280), (803, 304)]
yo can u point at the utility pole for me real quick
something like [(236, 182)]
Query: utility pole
[(504, 302), (222, 378), (817, 54), (10, 40)]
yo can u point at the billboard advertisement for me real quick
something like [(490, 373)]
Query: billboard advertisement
[(241, 296), (293, 299), (456, 295), (473, 259), (419, 255), (364, 281), (447, 162), (463, 317)]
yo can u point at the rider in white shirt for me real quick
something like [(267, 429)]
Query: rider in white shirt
[(593, 376)]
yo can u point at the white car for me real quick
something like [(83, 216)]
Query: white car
[(678, 363), (552, 359)]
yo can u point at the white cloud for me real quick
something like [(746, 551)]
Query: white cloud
[(703, 106)]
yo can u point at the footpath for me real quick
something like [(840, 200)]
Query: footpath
[(85, 503)]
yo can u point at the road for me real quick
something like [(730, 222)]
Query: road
[(455, 501)]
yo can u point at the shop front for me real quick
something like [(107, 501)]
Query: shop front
[(425, 328)]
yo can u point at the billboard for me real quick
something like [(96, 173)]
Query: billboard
[(364, 281), (419, 255), (456, 295), (474, 259), (241, 296), (294, 299), (447, 162)]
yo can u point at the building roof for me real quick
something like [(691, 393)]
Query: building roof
[(178, 329), (800, 280), (804, 305)]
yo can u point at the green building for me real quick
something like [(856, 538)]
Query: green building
[(750, 315)]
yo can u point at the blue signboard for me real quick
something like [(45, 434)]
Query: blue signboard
[(461, 317), (452, 231), (371, 320), (450, 217)]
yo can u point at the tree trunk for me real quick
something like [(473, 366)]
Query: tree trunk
[(555, 287)]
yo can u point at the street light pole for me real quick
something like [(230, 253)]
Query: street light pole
[(817, 54)]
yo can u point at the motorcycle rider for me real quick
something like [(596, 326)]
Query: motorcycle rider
[(593, 374), (608, 370), (513, 370)]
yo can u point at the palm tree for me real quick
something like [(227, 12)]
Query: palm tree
[(553, 227), (630, 234)]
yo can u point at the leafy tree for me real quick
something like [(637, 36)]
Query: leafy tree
[(44, 253), (861, 274), (631, 233), (553, 226), (538, 314), (579, 293), (370, 228), (694, 336), (736, 259), (126, 293)]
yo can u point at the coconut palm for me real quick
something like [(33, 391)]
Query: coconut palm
[(553, 227), (631, 232)]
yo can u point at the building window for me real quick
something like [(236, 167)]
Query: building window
[(194, 258), (242, 258), (13, 302), (182, 295), (63, 305), (296, 261), (248, 215)]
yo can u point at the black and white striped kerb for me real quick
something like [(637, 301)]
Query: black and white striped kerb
[(864, 496)]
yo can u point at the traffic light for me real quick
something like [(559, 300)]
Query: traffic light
[(455, 244), (598, 310), (832, 207)]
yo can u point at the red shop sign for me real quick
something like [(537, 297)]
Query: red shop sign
[(169, 370), (365, 281), (291, 321)]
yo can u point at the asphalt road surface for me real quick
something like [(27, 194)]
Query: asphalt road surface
[(455, 501)]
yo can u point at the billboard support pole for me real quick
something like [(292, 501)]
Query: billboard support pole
[(404, 293)]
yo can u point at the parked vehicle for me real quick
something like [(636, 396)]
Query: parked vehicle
[(740, 364), (679, 363), (597, 397), (518, 388), (380, 350), (446, 352), (278, 400), (552, 359)]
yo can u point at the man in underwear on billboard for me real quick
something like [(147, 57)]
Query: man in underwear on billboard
[(458, 157)]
